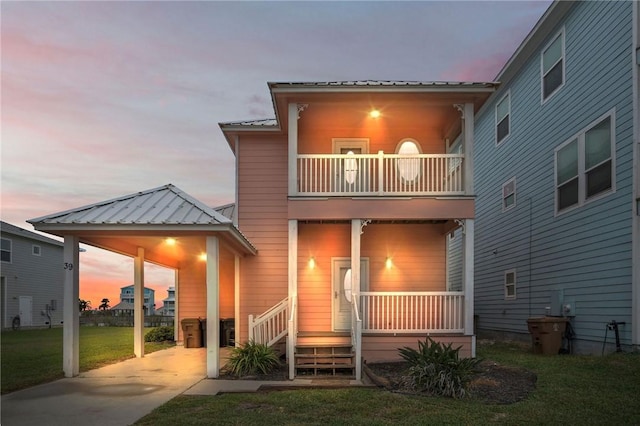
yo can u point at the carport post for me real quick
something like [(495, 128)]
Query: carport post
[(213, 311), (138, 303), (71, 326)]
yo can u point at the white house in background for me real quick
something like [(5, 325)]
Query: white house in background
[(31, 273), (126, 297), (169, 304)]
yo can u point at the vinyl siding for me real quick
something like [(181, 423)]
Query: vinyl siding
[(378, 348), (586, 252), (37, 276), (262, 217)]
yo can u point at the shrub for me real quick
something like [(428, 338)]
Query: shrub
[(252, 358), (159, 334), (436, 369)]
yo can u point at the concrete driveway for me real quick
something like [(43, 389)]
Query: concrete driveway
[(117, 394)]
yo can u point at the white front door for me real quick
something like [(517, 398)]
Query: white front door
[(341, 286), (26, 314)]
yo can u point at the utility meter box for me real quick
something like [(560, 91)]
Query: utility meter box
[(557, 297)]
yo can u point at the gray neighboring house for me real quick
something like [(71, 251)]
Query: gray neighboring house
[(31, 272), (557, 180)]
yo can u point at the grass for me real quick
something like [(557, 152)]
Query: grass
[(31, 357), (587, 390)]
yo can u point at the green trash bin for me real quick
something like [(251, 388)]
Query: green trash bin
[(192, 334), (546, 334)]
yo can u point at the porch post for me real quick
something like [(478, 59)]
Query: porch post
[(292, 295), (468, 281), (71, 326), (356, 229), (236, 297), (176, 310), (293, 148), (138, 304), (213, 313), (468, 148)]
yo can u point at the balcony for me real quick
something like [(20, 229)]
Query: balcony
[(380, 175)]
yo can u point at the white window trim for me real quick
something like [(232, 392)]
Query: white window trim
[(582, 200), (10, 251), (508, 94), (560, 34), (515, 284), (515, 197), (340, 143), (33, 250)]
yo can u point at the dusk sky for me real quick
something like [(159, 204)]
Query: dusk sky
[(103, 99)]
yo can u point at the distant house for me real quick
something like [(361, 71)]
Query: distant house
[(127, 299), (557, 181), (31, 273), (169, 304)]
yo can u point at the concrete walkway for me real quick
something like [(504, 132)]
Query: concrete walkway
[(122, 393)]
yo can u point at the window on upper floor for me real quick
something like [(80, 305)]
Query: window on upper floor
[(36, 250), (5, 250), (585, 166), (408, 168), (552, 66), (509, 194), (510, 284), (503, 117)]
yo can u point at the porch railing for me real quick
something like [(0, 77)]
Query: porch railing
[(380, 174), (271, 326), (412, 312)]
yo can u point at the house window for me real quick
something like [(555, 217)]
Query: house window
[(5, 250), (584, 165), (503, 116), (36, 250), (409, 168), (552, 64), (510, 284), (509, 194)]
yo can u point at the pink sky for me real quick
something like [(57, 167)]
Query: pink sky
[(103, 99)]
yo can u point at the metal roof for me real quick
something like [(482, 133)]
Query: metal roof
[(227, 210), (165, 205), (7, 228), (267, 122), (385, 83)]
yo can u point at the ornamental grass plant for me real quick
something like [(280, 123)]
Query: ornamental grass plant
[(252, 358)]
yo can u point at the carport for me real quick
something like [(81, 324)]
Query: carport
[(164, 226)]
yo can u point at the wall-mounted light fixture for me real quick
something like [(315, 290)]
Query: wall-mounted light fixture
[(203, 256), (374, 113), (388, 263), (312, 262), (170, 241)]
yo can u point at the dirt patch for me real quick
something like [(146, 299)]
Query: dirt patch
[(493, 384)]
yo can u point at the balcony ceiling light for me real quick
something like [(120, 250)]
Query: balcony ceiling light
[(374, 113)]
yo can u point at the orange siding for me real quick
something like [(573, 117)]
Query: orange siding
[(381, 348), (262, 217)]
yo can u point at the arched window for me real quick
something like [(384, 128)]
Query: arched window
[(409, 168), (347, 285), (350, 168)]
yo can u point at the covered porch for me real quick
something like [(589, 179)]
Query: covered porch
[(167, 227)]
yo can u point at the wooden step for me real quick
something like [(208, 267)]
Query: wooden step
[(324, 359)]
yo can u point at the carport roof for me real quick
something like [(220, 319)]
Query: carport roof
[(142, 220)]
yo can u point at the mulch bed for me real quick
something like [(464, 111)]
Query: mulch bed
[(493, 384)]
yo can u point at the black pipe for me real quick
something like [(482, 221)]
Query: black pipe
[(613, 325)]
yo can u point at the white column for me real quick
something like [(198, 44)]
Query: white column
[(468, 277), (138, 303), (213, 310), (292, 293), (71, 326), (293, 149), (468, 148), (356, 228), (176, 297), (236, 293)]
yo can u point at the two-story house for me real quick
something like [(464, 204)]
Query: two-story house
[(127, 299), (557, 180), (338, 240), (30, 279)]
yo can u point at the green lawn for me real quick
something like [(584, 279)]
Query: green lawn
[(585, 390), (31, 357)]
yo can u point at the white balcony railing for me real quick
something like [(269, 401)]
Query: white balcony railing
[(412, 312), (380, 174)]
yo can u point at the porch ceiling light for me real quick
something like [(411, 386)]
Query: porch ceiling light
[(170, 241), (203, 256), (388, 263), (312, 263), (374, 113)]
